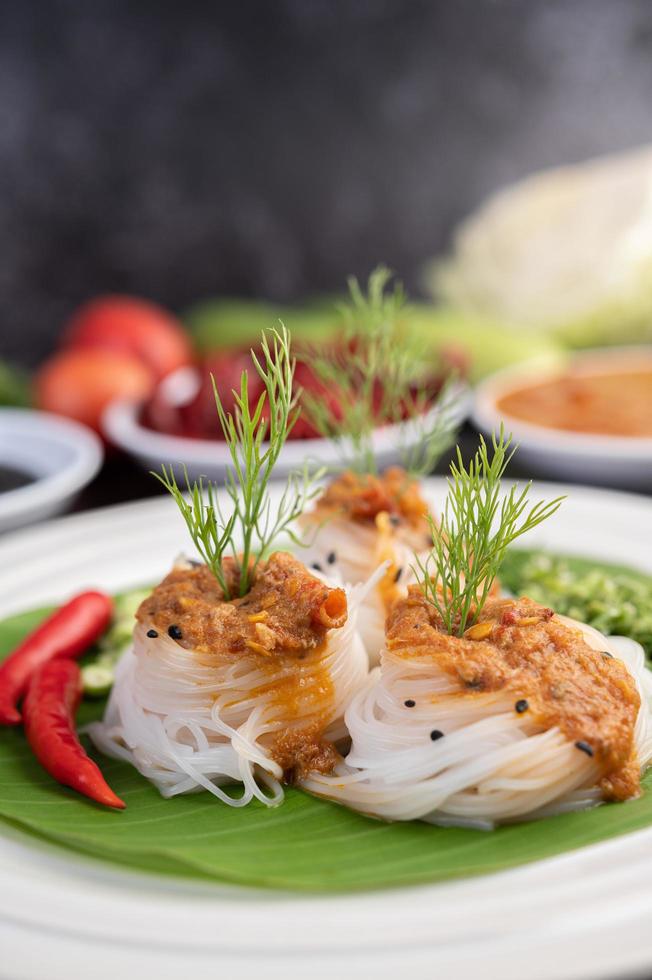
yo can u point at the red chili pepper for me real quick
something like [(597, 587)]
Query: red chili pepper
[(66, 633), (49, 712)]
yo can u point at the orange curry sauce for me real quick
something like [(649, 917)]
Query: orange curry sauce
[(280, 626), (521, 648), (363, 496), (613, 404), (390, 503)]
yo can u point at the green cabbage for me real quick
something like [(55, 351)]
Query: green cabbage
[(98, 671), (567, 252)]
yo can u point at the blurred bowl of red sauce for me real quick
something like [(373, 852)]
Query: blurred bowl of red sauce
[(179, 426)]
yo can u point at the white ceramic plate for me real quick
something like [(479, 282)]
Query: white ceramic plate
[(583, 915), (616, 460), (62, 455), (210, 457)]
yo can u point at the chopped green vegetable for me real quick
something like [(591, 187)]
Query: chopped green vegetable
[(615, 600), (98, 673), (97, 679)]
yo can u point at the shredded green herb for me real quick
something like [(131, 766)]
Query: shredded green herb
[(477, 526), (374, 377), (255, 438)]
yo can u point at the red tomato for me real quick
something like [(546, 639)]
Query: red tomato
[(134, 326), (81, 383)]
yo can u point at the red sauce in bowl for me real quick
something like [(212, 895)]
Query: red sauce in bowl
[(617, 403)]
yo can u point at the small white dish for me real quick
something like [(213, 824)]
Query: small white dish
[(624, 461), (61, 456), (210, 457)]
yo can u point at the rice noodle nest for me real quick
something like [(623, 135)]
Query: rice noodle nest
[(492, 766), (189, 724)]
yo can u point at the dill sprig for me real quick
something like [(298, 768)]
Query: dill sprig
[(475, 531), (255, 437), (373, 378), (429, 430)]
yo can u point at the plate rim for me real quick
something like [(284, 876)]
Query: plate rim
[(422, 908)]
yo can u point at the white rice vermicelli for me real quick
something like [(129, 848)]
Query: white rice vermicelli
[(493, 765), (188, 722), (358, 550)]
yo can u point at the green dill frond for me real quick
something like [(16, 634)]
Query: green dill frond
[(255, 437), (430, 429), (475, 531), (374, 378), (199, 507)]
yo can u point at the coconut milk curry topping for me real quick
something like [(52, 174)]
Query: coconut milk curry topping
[(287, 610), (363, 496), (520, 647)]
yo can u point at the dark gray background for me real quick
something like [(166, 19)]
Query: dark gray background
[(179, 150)]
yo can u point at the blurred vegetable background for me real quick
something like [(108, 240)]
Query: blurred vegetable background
[(180, 179), (122, 347), (269, 150), (567, 253)]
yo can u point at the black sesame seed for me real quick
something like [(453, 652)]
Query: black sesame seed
[(152, 634), (394, 520), (399, 572), (174, 632), (521, 706), (317, 567), (609, 656), (584, 747), (409, 703), (435, 735), (194, 563), (477, 684), (331, 557)]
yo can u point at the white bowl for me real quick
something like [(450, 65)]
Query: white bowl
[(579, 456), (62, 456), (210, 457)]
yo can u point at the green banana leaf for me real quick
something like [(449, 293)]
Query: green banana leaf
[(306, 844)]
